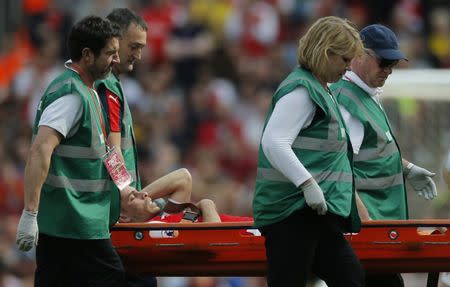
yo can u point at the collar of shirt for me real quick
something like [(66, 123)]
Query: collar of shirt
[(373, 92), (67, 65)]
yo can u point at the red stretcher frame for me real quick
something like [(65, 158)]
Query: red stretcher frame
[(229, 249)]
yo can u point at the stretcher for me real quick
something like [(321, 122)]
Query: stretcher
[(237, 248)]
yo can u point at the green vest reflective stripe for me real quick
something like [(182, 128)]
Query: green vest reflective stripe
[(379, 182), (274, 175), (378, 165), (323, 148), (75, 198), (79, 152), (79, 185), (308, 143), (371, 153)]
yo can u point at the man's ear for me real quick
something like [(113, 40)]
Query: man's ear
[(88, 56)]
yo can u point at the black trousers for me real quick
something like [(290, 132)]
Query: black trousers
[(71, 262), (385, 280), (306, 242), (140, 280)]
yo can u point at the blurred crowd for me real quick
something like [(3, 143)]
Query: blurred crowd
[(200, 94)]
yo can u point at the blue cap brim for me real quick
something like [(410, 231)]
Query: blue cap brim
[(390, 54)]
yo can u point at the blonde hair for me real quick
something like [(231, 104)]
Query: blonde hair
[(328, 34)]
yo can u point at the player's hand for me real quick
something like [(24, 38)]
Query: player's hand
[(152, 206)]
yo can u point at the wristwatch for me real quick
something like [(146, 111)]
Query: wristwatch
[(190, 216)]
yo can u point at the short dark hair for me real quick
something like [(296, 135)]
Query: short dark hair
[(123, 17), (91, 32)]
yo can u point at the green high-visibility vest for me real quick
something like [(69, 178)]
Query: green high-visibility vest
[(378, 165), (76, 196), (323, 148)]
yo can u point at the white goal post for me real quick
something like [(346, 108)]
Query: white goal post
[(425, 84)]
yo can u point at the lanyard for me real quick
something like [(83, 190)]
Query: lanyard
[(95, 99)]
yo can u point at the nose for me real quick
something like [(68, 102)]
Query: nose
[(143, 194), (116, 59), (388, 69), (138, 54)]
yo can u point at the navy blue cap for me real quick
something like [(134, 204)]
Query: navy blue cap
[(382, 41)]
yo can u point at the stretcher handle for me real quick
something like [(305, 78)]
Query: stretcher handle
[(407, 223)]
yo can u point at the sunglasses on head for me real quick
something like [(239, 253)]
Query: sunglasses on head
[(383, 63)]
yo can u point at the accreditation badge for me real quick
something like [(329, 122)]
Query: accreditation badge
[(117, 169)]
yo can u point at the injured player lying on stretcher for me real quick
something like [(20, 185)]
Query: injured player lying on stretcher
[(167, 199)]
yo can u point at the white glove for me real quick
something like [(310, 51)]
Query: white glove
[(27, 230), (420, 180), (314, 196)]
